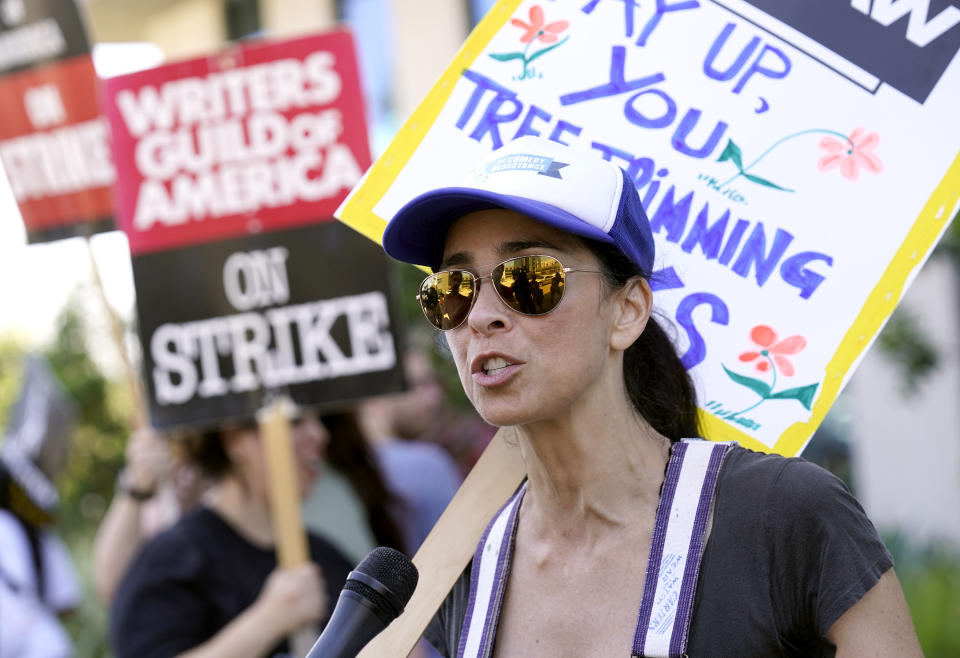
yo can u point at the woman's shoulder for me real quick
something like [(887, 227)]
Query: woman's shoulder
[(180, 547), (787, 480), (793, 497)]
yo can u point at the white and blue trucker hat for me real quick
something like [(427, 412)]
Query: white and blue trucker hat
[(566, 188)]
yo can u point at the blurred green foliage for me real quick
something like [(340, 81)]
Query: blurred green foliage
[(903, 340), (97, 453), (907, 345), (86, 485), (930, 577)]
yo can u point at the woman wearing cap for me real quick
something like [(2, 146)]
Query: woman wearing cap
[(208, 586), (601, 551)]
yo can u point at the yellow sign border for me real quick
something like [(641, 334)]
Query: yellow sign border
[(358, 214)]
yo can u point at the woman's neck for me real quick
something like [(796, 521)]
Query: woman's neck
[(248, 513), (591, 471)]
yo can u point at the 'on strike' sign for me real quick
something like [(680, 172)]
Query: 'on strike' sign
[(230, 168), (794, 180)]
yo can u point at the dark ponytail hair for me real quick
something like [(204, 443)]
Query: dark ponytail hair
[(658, 385), (348, 453)]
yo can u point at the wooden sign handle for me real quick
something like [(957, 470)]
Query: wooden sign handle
[(284, 495), (451, 544)]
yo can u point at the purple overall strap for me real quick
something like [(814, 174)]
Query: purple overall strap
[(679, 537), (488, 580)]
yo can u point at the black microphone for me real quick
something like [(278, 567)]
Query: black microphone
[(373, 596)]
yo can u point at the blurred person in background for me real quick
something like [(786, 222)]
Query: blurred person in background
[(419, 473), (152, 491), (38, 583), (209, 585), (379, 516)]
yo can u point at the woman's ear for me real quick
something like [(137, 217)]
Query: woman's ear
[(634, 304)]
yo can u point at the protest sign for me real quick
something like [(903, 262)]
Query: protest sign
[(37, 31), (36, 440), (795, 176), (230, 168), (54, 145)]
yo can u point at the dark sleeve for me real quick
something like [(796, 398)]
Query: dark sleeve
[(335, 568), (443, 631), (159, 609), (827, 553)]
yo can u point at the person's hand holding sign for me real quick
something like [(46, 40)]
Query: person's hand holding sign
[(290, 599)]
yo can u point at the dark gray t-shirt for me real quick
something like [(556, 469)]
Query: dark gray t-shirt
[(790, 551)]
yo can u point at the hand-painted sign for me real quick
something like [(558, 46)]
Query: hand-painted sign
[(230, 168), (794, 181), (54, 145)]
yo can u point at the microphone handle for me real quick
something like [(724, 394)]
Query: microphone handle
[(351, 626)]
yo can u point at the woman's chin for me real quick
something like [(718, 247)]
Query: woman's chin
[(308, 480), (506, 416)]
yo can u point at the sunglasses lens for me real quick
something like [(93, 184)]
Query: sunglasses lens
[(446, 298), (532, 285)]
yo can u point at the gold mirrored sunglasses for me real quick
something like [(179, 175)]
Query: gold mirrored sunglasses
[(530, 285)]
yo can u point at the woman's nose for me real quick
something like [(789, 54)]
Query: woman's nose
[(489, 313)]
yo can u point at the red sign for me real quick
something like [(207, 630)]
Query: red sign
[(258, 138), (54, 146)]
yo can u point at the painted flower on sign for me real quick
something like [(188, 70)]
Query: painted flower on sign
[(771, 357), (536, 29), (850, 155), (849, 152), (772, 353)]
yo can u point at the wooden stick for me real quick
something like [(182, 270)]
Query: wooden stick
[(284, 494), (140, 417), (452, 542)]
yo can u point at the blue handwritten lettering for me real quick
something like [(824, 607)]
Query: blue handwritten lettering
[(753, 252), (757, 67), (709, 238), (628, 10), (672, 215), (489, 122), (526, 126), (719, 314), (618, 83), (663, 8), (564, 127), (484, 84), (717, 46), (794, 273), (610, 152), (653, 188), (665, 279), (635, 117), (733, 241), (687, 124)]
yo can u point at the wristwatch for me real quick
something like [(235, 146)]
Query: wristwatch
[(125, 488)]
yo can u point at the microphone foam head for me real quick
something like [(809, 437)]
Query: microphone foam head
[(384, 569)]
